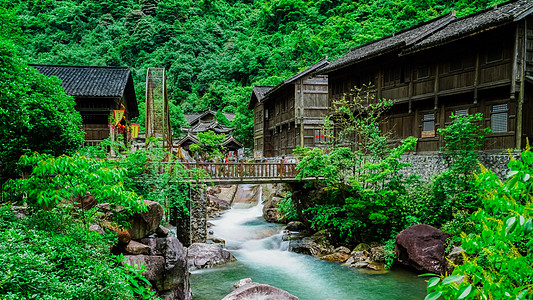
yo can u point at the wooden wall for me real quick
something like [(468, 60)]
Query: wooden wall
[(472, 75)]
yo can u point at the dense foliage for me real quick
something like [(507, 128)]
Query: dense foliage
[(213, 50), (35, 112), (366, 182), (499, 260), (50, 255)]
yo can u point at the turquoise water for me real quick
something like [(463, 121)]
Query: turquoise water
[(262, 256)]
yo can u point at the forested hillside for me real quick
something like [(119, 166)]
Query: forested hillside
[(213, 50)]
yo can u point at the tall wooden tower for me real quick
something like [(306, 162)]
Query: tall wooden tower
[(157, 112)]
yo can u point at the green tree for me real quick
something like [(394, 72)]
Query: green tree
[(35, 112)]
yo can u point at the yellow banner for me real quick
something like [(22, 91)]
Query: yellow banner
[(118, 114), (134, 131)]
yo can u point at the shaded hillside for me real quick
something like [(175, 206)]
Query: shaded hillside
[(215, 50)]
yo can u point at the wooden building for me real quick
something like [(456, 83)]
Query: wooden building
[(203, 122), (478, 63), (291, 113), (98, 91)]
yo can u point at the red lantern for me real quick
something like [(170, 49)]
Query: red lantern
[(316, 136), (322, 136)]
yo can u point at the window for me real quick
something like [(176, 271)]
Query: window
[(428, 125), (498, 118), (461, 112), (393, 75), (321, 136)]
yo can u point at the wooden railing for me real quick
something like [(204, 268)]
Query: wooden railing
[(246, 170)]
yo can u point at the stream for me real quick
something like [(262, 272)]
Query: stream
[(262, 256)]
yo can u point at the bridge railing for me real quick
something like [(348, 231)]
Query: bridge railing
[(245, 170)]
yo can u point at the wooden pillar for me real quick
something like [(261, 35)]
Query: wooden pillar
[(436, 87), (476, 76), (519, 110)]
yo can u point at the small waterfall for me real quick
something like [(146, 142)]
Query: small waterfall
[(262, 255)]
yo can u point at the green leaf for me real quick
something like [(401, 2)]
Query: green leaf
[(511, 225), (433, 296), (432, 282), (528, 226), (465, 292), (450, 279)]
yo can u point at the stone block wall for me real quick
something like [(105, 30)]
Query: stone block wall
[(427, 165), (193, 228)]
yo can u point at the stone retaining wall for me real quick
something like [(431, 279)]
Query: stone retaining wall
[(193, 228), (428, 165)]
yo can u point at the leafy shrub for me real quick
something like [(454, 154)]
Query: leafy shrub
[(499, 260), (287, 209), (49, 255)]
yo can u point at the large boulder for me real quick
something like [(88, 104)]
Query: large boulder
[(146, 223), (155, 266), (270, 210), (316, 245), (202, 255), (175, 280), (422, 247), (252, 290)]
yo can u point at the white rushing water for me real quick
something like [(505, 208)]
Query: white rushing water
[(263, 256)]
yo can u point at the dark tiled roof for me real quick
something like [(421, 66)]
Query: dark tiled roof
[(389, 43), (89, 81), (321, 64), (191, 138), (205, 126), (471, 24), (258, 93), (436, 32), (191, 118)]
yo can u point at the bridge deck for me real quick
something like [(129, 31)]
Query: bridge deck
[(232, 173)]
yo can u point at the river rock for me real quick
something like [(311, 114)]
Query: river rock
[(86, 202), (341, 254), (358, 259), (202, 255), (362, 247), (155, 266), (218, 203), (455, 258), (316, 245), (135, 248), (295, 226), (270, 210), (146, 223), (378, 254), (259, 291), (96, 228), (175, 279), (247, 195), (242, 282), (422, 247), (162, 231)]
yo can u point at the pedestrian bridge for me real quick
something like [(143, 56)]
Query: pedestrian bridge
[(242, 172)]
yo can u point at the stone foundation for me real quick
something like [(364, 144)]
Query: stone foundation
[(427, 165)]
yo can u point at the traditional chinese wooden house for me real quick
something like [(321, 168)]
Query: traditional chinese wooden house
[(478, 63), (98, 91), (206, 121), (291, 113)]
